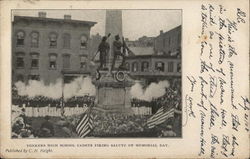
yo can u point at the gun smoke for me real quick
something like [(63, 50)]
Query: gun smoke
[(78, 87), (154, 90)]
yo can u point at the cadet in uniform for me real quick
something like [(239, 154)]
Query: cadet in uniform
[(117, 46), (104, 49)]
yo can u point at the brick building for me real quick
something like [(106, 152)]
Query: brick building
[(143, 41), (164, 62), (153, 68), (45, 48), (168, 43)]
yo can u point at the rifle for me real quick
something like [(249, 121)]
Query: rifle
[(125, 47)]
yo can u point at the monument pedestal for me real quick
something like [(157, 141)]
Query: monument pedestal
[(113, 96)]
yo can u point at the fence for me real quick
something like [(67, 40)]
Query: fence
[(68, 111), (53, 111), (142, 110)]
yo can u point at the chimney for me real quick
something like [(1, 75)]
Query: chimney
[(67, 17), (42, 14), (161, 32)]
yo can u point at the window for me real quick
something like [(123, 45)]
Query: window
[(66, 61), (34, 60), (170, 66), (83, 43), (34, 77), (134, 67), (159, 66), (20, 38), (169, 41), (52, 61), (179, 67), (144, 66), (66, 40), (20, 78), (53, 40), (20, 62), (83, 62), (34, 39)]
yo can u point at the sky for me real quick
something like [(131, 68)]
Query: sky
[(135, 23)]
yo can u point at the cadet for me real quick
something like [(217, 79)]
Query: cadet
[(104, 49), (117, 44)]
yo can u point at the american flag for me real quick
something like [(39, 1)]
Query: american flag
[(159, 117), (62, 105), (85, 124)]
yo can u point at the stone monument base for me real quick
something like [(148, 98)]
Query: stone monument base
[(112, 95)]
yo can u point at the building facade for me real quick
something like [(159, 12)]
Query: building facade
[(143, 41), (168, 43), (154, 67), (163, 63), (46, 49)]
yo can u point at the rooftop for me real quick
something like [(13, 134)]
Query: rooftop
[(171, 30), (43, 19), (142, 50)]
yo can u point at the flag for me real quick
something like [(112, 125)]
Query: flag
[(159, 117), (85, 125), (62, 105)]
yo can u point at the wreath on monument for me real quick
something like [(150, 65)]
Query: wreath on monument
[(120, 76)]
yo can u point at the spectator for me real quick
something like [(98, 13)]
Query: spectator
[(47, 128)]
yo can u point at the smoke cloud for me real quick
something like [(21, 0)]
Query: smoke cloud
[(78, 87), (154, 90)]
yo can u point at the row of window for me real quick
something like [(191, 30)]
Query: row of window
[(159, 66), (52, 40), (30, 77), (34, 57)]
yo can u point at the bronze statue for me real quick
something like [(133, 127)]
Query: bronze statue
[(103, 48), (120, 49)]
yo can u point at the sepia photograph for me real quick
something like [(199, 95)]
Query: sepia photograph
[(109, 79), (99, 73)]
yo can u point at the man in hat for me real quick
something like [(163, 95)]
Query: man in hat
[(104, 49), (117, 46)]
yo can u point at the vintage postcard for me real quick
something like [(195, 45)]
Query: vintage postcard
[(124, 79)]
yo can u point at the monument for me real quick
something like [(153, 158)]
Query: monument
[(113, 86)]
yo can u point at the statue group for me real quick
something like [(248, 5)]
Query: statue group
[(120, 49)]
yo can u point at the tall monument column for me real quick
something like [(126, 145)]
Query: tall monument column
[(113, 26), (113, 95)]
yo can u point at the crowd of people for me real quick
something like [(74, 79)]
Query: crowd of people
[(21, 127), (114, 123), (171, 98), (139, 103), (122, 125), (42, 101), (104, 124)]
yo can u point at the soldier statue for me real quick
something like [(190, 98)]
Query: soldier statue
[(103, 48), (119, 49)]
